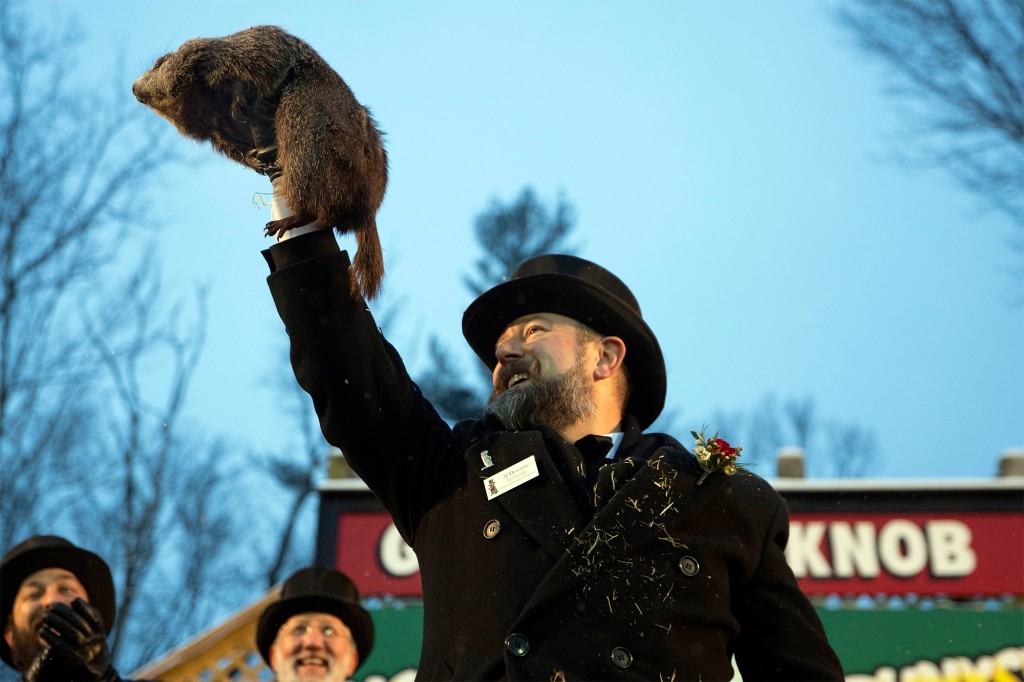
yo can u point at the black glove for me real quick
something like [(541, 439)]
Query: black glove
[(77, 643), (46, 667), (253, 121)]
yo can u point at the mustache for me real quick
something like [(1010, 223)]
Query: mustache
[(527, 366)]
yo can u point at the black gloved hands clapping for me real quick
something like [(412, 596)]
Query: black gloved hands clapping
[(76, 646)]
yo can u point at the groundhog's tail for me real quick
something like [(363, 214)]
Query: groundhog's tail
[(368, 264)]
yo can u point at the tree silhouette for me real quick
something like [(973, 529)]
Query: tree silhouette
[(832, 447), (90, 448), (956, 69), (507, 235)]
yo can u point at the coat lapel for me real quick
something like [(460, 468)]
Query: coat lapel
[(643, 509), (543, 506)]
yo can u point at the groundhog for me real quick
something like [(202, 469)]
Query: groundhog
[(267, 100)]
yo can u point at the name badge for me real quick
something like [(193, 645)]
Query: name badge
[(516, 475)]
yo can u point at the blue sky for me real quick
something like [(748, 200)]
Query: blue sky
[(728, 160)]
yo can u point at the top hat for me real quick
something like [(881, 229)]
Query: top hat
[(587, 293), (50, 551), (316, 590)]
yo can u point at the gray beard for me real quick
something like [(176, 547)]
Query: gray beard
[(556, 402)]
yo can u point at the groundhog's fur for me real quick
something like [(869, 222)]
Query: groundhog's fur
[(330, 153)]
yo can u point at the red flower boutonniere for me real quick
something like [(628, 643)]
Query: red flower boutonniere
[(715, 454)]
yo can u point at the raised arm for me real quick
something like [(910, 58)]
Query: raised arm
[(366, 402)]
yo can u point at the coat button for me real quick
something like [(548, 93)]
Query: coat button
[(492, 528), (517, 644), (621, 658), (689, 566)]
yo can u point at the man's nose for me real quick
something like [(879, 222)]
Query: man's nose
[(508, 348), (313, 638)]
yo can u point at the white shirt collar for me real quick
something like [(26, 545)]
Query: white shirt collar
[(616, 440)]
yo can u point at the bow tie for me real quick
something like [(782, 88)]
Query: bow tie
[(594, 447)]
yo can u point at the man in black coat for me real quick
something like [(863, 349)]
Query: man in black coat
[(543, 554), (57, 607)]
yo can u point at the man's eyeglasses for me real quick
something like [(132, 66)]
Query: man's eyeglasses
[(300, 631)]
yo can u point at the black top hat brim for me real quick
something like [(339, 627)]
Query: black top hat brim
[(355, 618), (486, 318), (48, 551)]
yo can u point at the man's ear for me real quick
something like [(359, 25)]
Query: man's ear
[(9, 634), (611, 353)]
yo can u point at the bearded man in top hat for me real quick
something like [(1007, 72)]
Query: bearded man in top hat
[(316, 631), (543, 554), (57, 605)]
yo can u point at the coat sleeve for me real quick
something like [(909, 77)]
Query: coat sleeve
[(367, 404), (781, 636)]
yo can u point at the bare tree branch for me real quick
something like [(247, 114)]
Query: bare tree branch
[(957, 69), (852, 450), (100, 454), (126, 339), (832, 447), (297, 472)]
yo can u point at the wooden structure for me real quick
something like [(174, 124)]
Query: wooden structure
[(224, 653)]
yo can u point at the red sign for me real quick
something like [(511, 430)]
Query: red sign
[(371, 552), (961, 554)]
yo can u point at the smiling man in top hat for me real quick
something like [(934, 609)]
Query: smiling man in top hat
[(316, 631), (556, 539), (57, 605)]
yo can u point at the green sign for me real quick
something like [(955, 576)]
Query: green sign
[(396, 650), (941, 644)]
